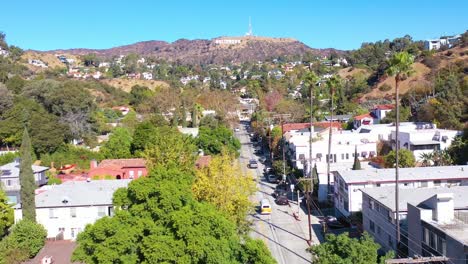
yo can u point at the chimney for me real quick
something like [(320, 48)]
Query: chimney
[(93, 164), (443, 211)]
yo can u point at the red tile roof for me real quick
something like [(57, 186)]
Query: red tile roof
[(122, 163), (203, 161), (360, 117), (385, 107), (298, 126)]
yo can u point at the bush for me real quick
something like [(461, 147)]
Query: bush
[(69, 154), (385, 87), (431, 61), (24, 242), (8, 157)]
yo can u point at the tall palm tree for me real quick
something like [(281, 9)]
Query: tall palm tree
[(399, 66), (332, 84), (311, 81)]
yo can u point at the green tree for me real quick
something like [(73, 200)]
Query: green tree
[(168, 147), (162, 223), (390, 117), (212, 141), (24, 241), (406, 159), (357, 163), (119, 144), (6, 213), (344, 250), (27, 182), (254, 251), (459, 148)]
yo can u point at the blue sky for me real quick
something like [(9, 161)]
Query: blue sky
[(342, 24)]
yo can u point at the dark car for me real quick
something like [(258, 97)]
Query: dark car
[(253, 164), (282, 200), (279, 192)]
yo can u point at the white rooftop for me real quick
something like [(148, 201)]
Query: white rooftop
[(406, 174), (80, 193), (386, 196)]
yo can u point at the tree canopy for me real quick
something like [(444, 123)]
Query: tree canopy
[(406, 159), (213, 140), (342, 249)]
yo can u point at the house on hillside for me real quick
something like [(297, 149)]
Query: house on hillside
[(9, 178), (147, 76), (64, 210), (118, 168), (435, 44), (364, 119), (380, 111)]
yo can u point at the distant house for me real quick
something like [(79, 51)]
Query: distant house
[(118, 168), (147, 76), (3, 52), (37, 63), (435, 44), (380, 111), (9, 177), (365, 119), (64, 210), (192, 131), (123, 109), (339, 118)]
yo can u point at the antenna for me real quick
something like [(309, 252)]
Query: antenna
[(249, 33)]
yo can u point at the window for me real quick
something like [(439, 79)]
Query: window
[(432, 239), (426, 236), (132, 174), (346, 205), (378, 184), (140, 173), (441, 245), (101, 211), (347, 155), (437, 183), (342, 156), (379, 231), (73, 212), (52, 213), (372, 226), (8, 183), (390, 241), (372, 204), (424, 184)]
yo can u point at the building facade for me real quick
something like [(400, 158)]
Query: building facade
[(65, 210), (9, 178), (349, 183), (118, 169)]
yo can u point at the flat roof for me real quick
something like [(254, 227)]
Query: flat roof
[(79, 193), (456, 229), (406, 174), (386, 196)]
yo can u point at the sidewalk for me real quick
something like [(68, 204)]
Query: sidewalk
[(303, 221)]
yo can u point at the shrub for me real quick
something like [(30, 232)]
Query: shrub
[(24, 242), (8, 157), (385, 87), (431, 61)]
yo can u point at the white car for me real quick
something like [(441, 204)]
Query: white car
[(236, 129)]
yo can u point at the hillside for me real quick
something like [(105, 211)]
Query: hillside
[(421, 76), (50, 59), (127, 84), (215, 51)]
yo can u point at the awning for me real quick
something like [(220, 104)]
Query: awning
[(425, 142)]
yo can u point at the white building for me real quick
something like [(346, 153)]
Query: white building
[(3, 53), (9, 178), (425, 139), (65, 210), (348, 183), (104, 65), (435, 44), (37, 63), (379, 211), (438, 226), (147, 76)]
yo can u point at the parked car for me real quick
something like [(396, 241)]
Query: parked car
[(253, 164), (267, 170), (236, 129), (271, 178), (262, 159), (279, 192), (282, 200)]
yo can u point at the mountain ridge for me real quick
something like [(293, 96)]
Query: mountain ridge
[(218, 50)]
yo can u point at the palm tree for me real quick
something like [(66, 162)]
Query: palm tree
[(399, 66), (311, 81), (427, 159), (332, 83)]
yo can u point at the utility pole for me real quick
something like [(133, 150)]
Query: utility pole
[(309, 197), (329, 144), (282, 117)]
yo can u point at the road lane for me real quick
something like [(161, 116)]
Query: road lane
[(282, 233)]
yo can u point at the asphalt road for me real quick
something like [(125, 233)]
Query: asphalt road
[(284, 235)]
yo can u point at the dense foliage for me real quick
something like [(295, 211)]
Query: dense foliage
[(214, 140), (342, 249), (24, 241), (6, 213), (406, 159)]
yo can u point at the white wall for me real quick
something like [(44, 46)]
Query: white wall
[(63, 219)]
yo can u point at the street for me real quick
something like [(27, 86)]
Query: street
[(285, 236)]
